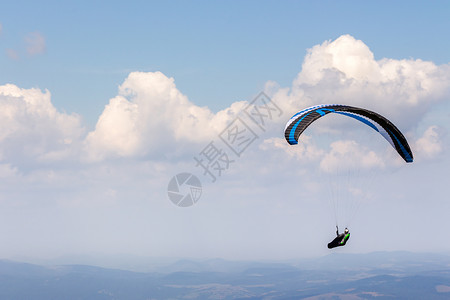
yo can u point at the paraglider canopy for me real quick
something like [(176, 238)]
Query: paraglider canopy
[(301, 120)]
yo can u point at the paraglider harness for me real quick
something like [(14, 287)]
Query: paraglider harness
[(340, 240)]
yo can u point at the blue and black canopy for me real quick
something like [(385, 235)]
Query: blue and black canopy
[(301, 120)]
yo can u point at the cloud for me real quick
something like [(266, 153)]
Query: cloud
[(351, 155), (35, 42), (305, 152), (12, 54), (7, 171), (34, 45), (33, 130), (345, 71), (430, 144), (151, 116)]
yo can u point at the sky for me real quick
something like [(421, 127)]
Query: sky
[(102, 104)]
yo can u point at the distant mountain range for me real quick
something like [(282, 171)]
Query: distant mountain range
[(380, 275)]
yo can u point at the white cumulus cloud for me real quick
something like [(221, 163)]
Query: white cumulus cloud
[(430, 144), (151, 116), (351, 155), (345, 71), (304, 152), (32, 128)]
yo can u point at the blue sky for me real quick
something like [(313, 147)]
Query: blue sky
[(102, 103), (218, 51)]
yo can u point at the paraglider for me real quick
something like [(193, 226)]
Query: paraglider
[(340, 240), (298, 123)]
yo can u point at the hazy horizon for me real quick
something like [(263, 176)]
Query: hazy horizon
[(384, 275)]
